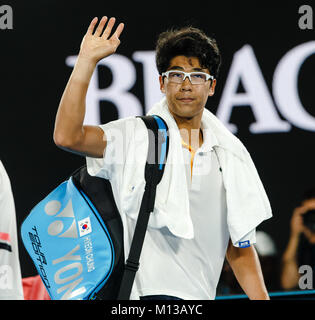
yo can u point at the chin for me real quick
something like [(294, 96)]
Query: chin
[(186, 112)]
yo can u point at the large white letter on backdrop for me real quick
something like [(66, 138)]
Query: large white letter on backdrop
[(124, 77), (245, 68), (151, 85), (285, 86)]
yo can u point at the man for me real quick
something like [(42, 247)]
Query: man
[(10, 272), (300, 249), (188, 232)]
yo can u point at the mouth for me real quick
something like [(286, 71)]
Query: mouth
[(186, 100)]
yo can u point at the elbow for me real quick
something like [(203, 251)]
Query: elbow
[(60, 140), (63, 141)]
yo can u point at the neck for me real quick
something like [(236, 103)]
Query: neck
[(190, 130)]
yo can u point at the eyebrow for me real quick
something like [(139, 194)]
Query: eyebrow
[(181, 68)]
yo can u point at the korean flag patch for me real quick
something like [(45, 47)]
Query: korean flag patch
[(244, 244), (85, 226)]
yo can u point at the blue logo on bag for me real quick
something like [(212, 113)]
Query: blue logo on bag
[(244, 244)]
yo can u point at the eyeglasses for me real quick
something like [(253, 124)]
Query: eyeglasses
[(176, 76)]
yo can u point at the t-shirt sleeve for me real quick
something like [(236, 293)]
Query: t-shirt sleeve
[(97, 166), (117, 133), (247, 240)]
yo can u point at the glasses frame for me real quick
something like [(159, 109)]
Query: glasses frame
[(188, 75)]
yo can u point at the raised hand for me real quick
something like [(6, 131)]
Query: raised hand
[(101, 44)]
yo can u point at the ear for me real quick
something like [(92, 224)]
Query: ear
[(161, 84), (212, 87)]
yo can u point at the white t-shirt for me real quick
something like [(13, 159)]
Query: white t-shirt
[(185, 268), (190, 268), (10, 272)]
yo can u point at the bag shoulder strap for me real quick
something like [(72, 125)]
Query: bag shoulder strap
[(156, 159)]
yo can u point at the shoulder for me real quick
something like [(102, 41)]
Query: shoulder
[(226, 139), (121, 123), (126, 132), (123, 126)]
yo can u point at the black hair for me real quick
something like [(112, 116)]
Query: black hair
[(189, 42)]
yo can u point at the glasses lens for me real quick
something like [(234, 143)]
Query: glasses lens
[(198, 78), (176, 77)]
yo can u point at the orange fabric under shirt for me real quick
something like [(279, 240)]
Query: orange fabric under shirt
[(192, 155)]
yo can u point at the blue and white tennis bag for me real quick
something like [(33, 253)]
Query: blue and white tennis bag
[(71, 239), (75, 238)]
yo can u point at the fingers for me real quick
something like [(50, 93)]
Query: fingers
[(300, 210), (109, 28), (100, 27), (91, 26), (118, 31)]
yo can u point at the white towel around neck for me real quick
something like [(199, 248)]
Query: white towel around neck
[(247, 202)]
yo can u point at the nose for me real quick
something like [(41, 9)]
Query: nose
[(186, 84)]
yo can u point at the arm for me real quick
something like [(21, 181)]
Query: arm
[(289, 272), (70, 134), (246, 267)]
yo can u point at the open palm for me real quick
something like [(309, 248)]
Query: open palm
[(100, 44)]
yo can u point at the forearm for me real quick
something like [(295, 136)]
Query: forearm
[(247, 270), (71, 110), (291, 249), (289, 271)]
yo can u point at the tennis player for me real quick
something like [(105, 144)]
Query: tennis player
[(205, 210)]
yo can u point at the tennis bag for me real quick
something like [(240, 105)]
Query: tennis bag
[(75, 234)]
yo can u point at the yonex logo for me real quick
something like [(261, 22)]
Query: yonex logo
[(70, 268), (56, 228)]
